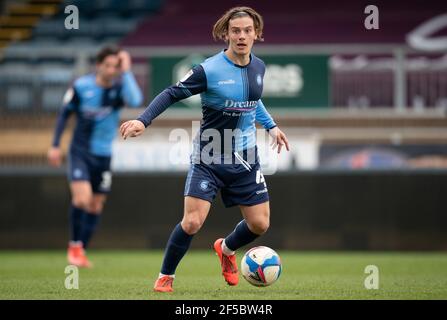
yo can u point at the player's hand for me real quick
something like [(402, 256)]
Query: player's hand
[(54, 156), (132, 128), (125, 60), (279, 139)]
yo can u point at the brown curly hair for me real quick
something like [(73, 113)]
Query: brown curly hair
[(220, 28)]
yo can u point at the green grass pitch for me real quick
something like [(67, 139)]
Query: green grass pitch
[(306, 275)]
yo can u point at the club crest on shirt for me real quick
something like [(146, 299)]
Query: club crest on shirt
[(259, 79)]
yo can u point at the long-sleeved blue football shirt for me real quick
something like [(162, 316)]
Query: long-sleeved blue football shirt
[(97, 110), (230, 98)]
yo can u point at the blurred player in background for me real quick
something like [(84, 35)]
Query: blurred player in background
[(230, 84), (96, 100)]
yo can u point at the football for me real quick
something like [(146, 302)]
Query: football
[(261, 266)]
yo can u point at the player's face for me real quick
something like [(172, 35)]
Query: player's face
[(109, 68), (241, 35)]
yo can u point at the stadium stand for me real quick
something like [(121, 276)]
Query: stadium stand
[(43, 79), (101, 21), (287, 21)]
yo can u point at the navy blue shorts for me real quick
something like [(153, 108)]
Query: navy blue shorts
[(239, 183), (83, 166)]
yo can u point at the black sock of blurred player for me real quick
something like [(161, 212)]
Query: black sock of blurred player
[(76, 220), (89, 225)]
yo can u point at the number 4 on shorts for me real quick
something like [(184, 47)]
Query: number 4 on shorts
[(259, 177)]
